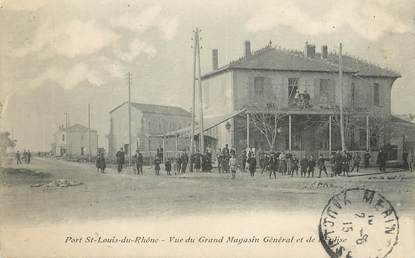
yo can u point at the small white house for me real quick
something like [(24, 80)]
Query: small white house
[(75, 140)]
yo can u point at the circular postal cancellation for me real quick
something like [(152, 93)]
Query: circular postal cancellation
[(359, 223)]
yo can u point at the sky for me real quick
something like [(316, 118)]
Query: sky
[(57, 56)]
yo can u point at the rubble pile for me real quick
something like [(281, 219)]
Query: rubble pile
[(400, 177), (320, 185), (59, 183)]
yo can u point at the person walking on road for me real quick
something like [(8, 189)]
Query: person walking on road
[(184, 161), (366, 158), (321, 165), (311, 166), (29, 156), (381, 160), (252, 165), (120, 155), (356, 162), (304, 166), (233, 164), (410, 160), (272, 166), (157, 165), (138, 157), (18, 159), (100, 163), (167, 166)]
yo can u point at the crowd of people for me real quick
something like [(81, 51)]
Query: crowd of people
[(284, 163)]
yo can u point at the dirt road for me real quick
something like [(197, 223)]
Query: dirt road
[(113, 195)]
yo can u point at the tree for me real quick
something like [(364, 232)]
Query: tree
[(5, 142), (266, 121)]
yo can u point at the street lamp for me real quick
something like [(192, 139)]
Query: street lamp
[(228, 125)]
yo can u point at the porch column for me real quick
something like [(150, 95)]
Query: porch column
[(247, 130), (164, 147), (289, 132), (177, 143), (329, 134), (367, 133)]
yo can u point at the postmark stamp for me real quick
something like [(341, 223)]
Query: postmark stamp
[(358, 222)]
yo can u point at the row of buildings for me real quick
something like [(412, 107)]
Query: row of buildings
[(276, 99)]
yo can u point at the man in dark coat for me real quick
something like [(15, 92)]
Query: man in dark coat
[(381, 160), (252, 165), (311, 166), (294, 166), (167, 166), (184, 160), (272, 166), (120, 155), (18, 160), (356, 162), (29, 156), (366, 158), (243, 158), (100, 162), (345, 163), (338, 163), (304, 166), (139, 162), (321, 166)]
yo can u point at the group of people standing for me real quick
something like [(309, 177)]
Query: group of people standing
[(286, 163), (26, 156)]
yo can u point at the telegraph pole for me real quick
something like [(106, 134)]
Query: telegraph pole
[(89, 133), (199, 79), (341, 96), (192, 136), (129, 119)]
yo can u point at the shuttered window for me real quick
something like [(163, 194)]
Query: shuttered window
[(259, 83), (376, 96), (324, 91), (292, 89)]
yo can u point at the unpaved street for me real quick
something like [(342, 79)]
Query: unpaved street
[(112, 195)]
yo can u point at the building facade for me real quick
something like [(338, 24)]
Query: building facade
[(269, 81), (75, 140), (148, 123)]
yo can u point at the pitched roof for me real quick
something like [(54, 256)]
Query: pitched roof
[(276, 59), (156, 109), (77, 128), (363, 67), (401, 119)]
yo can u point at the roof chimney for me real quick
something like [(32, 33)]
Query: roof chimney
[(215, 59), (309, 50), (324, 52), (247, 48)]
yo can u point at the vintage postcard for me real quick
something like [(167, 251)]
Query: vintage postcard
[(221, 128)]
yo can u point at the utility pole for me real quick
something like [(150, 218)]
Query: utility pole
[(89, 133), (129, 119), (341, 96), (192, 136), (199, 79)]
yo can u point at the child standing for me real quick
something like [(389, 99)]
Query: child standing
[(157, 165), (233, 164)]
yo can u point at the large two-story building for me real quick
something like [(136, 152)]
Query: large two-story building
[(148, 123), (272, 80)]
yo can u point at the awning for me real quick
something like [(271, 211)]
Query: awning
[(208, 123)]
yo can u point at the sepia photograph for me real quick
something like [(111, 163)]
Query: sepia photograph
[(195, 128)]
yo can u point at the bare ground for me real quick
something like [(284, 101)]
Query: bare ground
[(113, 195)]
